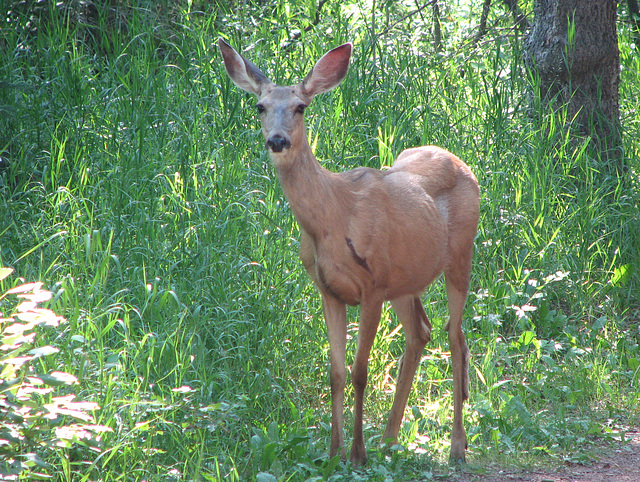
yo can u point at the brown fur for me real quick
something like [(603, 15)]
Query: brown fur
[(370, 236)]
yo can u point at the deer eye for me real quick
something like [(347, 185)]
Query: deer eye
[(300, 109), (260, 108)]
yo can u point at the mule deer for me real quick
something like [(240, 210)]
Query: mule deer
[(368, 236)]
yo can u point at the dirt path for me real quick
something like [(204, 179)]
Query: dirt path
[(620, 463)]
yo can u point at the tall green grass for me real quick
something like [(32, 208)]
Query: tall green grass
[(135, 186)]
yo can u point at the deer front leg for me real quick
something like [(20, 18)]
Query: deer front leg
[(335, 314), (369, 319), (417, 330)]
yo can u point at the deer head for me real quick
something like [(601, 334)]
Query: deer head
[(281, 108)]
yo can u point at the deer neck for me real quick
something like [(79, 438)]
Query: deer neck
[(310, 189)]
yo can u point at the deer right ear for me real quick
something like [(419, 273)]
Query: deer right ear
[(328, 72), (242, 72)]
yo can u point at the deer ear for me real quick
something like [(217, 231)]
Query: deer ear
[(328, 72), (243, 72)]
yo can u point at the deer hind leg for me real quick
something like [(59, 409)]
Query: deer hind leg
[(457, 281), (335, 314), (369, 319), (417, 333)]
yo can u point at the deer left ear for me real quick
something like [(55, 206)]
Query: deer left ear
[(329, 71)]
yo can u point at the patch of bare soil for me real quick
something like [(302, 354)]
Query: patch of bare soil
[(620, 463)]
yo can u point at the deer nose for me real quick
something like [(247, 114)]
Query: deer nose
[(278, 143)]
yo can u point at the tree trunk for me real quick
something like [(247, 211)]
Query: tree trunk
[(573, 47), (482, 27)]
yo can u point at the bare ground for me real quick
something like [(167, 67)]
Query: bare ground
[(618, 463)]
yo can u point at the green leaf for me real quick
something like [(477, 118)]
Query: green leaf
[(621, 275), (269, 454), (265, 477), (25, 288), (4, 272), (43, 351), (56, 379), (34, 459), (329, 467)]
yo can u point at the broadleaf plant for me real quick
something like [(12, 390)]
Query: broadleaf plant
[(38, 414)]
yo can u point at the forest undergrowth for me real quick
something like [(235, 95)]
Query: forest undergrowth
[(135, 187)]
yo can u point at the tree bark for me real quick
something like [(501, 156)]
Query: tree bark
[(482, 27), (573, 47)]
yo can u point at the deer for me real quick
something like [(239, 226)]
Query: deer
[(368, 236)]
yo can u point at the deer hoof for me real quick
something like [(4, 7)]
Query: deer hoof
[(457, 461), (358, 456), (457, 457)]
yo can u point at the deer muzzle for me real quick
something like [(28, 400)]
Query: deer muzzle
[(277, 143)]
